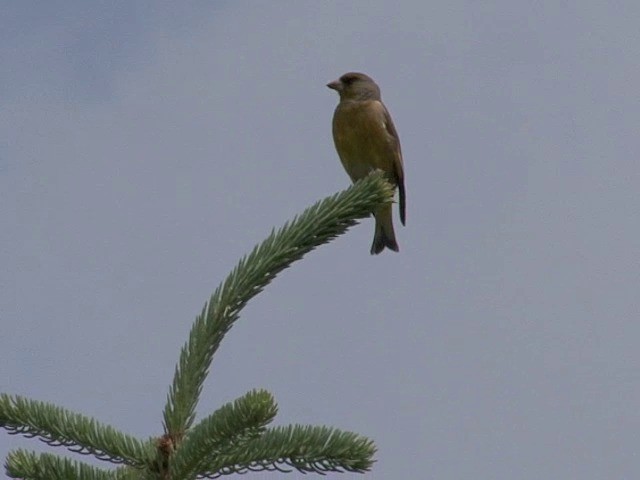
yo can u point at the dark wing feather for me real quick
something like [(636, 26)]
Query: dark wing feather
[(397, 162)]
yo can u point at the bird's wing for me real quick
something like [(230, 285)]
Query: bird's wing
[(394, 139)]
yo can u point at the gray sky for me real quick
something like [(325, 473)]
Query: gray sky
[(144, 147)]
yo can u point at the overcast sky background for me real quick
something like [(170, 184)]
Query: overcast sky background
[(146, 146)]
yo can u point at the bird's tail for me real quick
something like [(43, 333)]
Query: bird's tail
[(384, 235)]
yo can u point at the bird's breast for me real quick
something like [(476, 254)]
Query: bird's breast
[(361, 139)]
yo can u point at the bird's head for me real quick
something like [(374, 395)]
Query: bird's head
[(355, 86)]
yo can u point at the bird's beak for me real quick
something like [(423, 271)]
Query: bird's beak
[(335, 85)]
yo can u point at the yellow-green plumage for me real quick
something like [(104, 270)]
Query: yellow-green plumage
[(366, 140)]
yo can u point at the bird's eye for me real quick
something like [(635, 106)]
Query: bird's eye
[(348, 80)]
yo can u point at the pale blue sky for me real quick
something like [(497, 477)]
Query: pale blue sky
[(146, 146)]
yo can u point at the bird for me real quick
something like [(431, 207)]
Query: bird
[(366, 140)]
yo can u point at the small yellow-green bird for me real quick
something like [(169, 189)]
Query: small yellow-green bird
[(366, 140)]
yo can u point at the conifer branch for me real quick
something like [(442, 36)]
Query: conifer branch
[(45, 466), (235, 438), (303, 448), (228, 427), (57, 426), (317, 225)]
